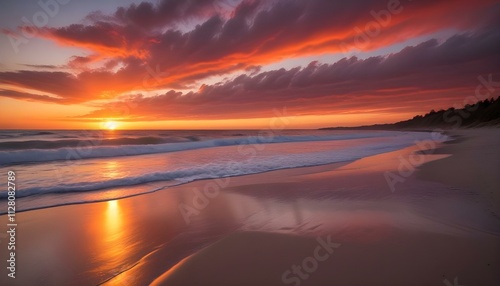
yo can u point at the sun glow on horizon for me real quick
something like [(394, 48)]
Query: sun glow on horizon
[(110, 125)]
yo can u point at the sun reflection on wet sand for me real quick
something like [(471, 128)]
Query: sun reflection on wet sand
[(113, 221), (112, 249)]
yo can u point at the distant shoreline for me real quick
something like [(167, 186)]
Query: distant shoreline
[(484, 113)]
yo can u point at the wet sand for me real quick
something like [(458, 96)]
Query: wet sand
[(250, 230), (402, 257), (475, 153), (413, 251)]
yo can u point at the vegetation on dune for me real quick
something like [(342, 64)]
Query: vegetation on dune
[(485, 113)]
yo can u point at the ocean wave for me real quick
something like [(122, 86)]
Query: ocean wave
[(105, 148), (37, 133), (56, 144), (226, 168)]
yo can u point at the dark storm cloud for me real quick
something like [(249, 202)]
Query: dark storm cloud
[(423, 70)]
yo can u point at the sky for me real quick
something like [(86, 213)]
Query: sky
[(233, 64)]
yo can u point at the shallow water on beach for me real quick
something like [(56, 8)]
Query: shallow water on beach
[(135, 240), (57, 174)]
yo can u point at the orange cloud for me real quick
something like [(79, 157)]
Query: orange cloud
[(140, 48), (402, 82), (261, 34)]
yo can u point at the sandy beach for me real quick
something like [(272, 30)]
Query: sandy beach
[(381, 252), (479, 148), (337, 224)]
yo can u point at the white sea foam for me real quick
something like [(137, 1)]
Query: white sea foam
[(227, 167), (89, 150)]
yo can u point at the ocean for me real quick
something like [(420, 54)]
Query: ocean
[(60, 167)]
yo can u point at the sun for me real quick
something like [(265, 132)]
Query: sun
[(110, 125)]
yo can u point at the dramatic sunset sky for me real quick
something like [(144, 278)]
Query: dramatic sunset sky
[(197, 64)]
